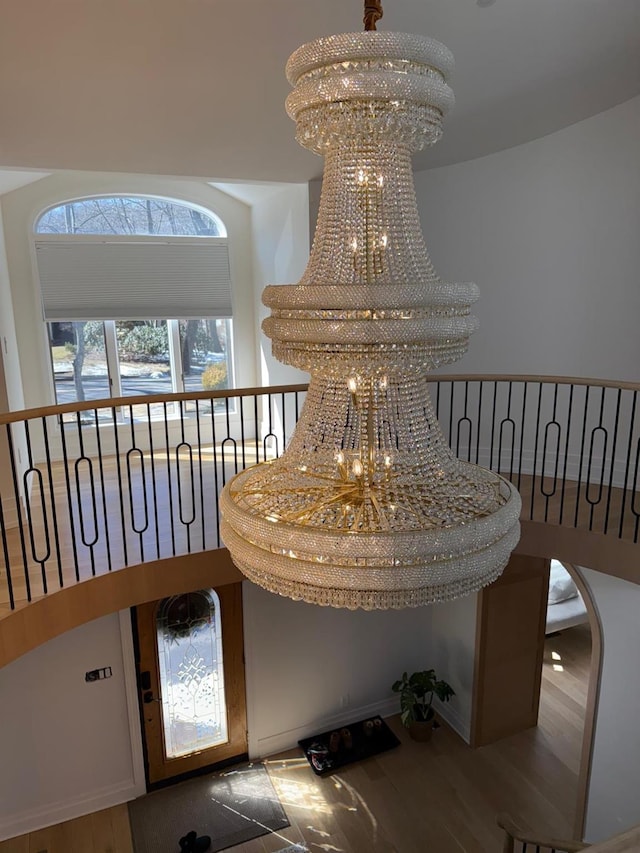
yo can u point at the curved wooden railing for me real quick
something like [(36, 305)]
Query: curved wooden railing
[(518, 840), (97, 486)]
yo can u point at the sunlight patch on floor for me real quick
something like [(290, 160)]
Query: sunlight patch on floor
[(340, 796)]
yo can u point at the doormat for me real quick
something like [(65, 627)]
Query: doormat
[(331, 750), (232, 806)]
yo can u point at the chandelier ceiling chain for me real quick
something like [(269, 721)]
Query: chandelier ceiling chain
[(368, 507), (372, 14)]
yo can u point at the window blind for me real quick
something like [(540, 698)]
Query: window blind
[(133, 278)]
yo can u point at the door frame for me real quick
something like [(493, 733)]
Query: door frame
[(136, 696), (593, 692)]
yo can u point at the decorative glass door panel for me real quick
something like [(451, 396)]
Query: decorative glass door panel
[(191, 677), (194, 713)]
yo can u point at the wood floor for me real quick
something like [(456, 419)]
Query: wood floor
[(441, 797)]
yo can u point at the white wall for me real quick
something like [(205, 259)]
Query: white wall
[(65, 744), (8, 339), (21, 207), (280, 227), (311, 669), (613, 804), (452, 654), (549, 231)]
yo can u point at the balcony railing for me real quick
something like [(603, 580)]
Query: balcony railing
[(93, 487)]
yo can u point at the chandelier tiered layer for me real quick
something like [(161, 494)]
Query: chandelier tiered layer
[(368, 507)]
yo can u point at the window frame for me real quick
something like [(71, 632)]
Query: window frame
[(112, 358), (112, 355)]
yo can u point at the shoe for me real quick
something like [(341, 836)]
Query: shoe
[(193, 843), (347, 740), (318, 755), (334, 742)]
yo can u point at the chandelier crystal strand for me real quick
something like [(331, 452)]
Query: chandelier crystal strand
[(368, 507)]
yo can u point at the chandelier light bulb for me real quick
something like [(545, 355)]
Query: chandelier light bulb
[(368, 507)]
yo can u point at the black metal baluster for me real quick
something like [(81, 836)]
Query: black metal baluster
[(16, 492), (169, 485), (154, 487), (86, 541), (451, 398), (507, 420), (123, 524), (464, 419), (566, 453), (525, 388), (230, 439), (185, 521), (103, 491), (632, 421), (584, 434), (200, 473), (72, 526), (284, 422), (257, 427), (535, 452), (5, 551), (493, 426), (134, 449), (54, 514), (216, 483), (480, 389), (270, 433), (587, 491), (552, 423), (28, 489), (242, 441), (634, 492), (138, 529), (613, 461)]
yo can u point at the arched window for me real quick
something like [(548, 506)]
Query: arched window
[(189, 634), (136, 294), (130, 215)]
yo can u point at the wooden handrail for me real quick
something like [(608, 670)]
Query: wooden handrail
[(546, 380), (143, 399), (514, 833)]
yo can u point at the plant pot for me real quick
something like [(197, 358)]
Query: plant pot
[(421, 730)]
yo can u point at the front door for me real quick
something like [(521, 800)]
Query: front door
[(191, 680)]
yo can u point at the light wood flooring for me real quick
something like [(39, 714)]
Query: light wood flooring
[(441, 797)]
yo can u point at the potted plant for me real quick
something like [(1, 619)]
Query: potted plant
[(416, 698)]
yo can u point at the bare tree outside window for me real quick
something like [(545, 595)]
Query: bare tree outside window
[(129, 215)]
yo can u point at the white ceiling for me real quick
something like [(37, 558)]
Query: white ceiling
[(197, 87)]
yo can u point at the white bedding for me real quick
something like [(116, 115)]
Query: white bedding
[(565, 607)]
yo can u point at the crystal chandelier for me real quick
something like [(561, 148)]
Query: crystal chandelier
[(368, 507)]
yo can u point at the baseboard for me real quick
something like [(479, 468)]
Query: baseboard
[(281, 741), (53, 813), (453, 719)]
